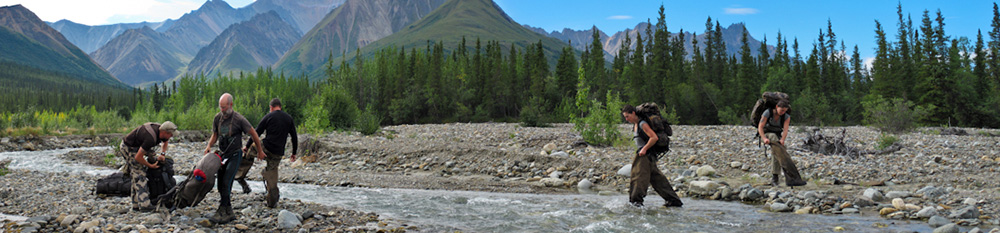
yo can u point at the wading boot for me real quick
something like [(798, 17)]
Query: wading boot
[(246, 187), (223, 215), (774, 180)]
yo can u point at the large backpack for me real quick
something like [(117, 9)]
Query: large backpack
[(651, 113), (768, 100), (161, 179), (116, 184)]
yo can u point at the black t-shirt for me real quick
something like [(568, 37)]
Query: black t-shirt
[(142, 138), (230, 131), (278, 125)]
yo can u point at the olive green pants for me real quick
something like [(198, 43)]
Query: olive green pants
[(782, 161), (270, 173)]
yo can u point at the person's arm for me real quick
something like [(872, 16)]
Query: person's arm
[(141, 158), (784, 131), (261, 127), (652, 139), (295, 141), (161, 157), (256, 140), (211, 141), (760, 130)]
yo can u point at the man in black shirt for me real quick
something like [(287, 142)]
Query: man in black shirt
[(133, 150), (278, 125), (228, 128)]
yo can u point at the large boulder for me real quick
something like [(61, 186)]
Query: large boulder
[(625, 170)]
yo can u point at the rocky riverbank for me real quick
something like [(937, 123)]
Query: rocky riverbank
[(951, 177)]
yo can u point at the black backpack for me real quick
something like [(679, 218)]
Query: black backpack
[(650, 112), (116, 184), (161, 179)]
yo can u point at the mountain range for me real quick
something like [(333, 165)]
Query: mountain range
[(351, 26), (258, 42), (581, 39)]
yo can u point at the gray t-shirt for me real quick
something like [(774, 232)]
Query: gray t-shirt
[(774, 121), (640, 137)]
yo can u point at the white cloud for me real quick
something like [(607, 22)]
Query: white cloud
[(97, 12), (620, 17), (740, 11)]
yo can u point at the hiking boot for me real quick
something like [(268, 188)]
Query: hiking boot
[(636, 204), (774, 180), (673, 204), (793, 184), (246, 187), (223, 215)]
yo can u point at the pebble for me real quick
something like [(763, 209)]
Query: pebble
[(288, 220), (560, 154), (887, 211), (898, 203), (735, 164), (626, 170), (898, 194), (969, 201), (703, 187), (850, 210), (873, 194), (548, 148), (931, 192), (584, 184), (241, 227), (552, 182), (805, 210), (69, 220)]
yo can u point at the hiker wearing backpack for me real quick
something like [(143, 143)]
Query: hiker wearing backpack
[(774, 122), (650, 131), (134, 148), (278, 125), (228, 128)]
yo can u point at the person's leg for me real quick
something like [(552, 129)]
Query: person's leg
[(270, 174), (245, 165), (140, 192), (775, 164), (662, 186), (792, 177), (640, 180), (227, 172)]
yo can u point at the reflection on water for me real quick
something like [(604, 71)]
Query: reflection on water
[(436, 210)]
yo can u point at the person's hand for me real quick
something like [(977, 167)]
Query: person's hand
[(161, 157), (244, 150), (154, 165), (293, 158), (260, 155), (782, 141), (642, 152), (207, 150), (767, 141)]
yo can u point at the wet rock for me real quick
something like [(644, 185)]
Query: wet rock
[(949, 228), (751, 194), (936, 221), (965, 213), (288, 220), (703, 187), (725, 193), (625, 170), (705, 171), (898, 194), (873, 194), (931, 192), (850, 210), (780, 207), (927, 212), (584, 184), (805, 210)]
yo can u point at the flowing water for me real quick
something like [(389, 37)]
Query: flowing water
[(439, 210)]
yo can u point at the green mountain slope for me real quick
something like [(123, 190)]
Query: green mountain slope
[(472, 19), (28, 41)]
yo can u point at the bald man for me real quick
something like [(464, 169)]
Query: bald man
[(228, 128)]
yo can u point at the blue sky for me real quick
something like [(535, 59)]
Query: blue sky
[(853, 21)]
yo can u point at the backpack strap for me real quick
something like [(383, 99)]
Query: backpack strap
[(149, 128)]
